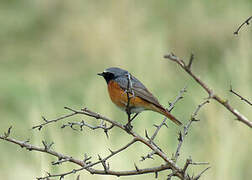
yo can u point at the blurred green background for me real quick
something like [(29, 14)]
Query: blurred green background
[(50, 52)]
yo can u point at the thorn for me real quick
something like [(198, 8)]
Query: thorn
[(86, 158), (108, 166), (142, 158), (44, 118), (46, 146), (195, 120), (180, 138), (136, 167), (44, 143), (40, 127), (28, 140), (8, 132), (99, 157), (106, 132), (165, 125), (112, 152), (190, 61), (82, 124), (72, 126), (84, 109), (50, 145), (78, 177), (156, 174), (197, 177), (146, 135)]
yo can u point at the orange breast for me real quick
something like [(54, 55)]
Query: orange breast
[(119, 97)]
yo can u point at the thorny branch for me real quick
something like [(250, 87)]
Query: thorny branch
[(89, 165), (211, 93), (245, 22), (81, 124), (186, 128), (242, 98), (163, 123)]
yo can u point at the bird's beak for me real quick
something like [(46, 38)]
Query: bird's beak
[(100, 74)]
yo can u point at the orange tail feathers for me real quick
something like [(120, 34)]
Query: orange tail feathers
[(169, 115)]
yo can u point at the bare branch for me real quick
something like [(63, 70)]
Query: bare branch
[(179, 97), (137, 171), (148, 156), (210, 92), (89, 166), (245, 22), (242, 98), (169, 163), (40, 126), (83, 111), (171, 106), (186, 128), (190, 61), (7, 134), (197, 177), (83, 123), (45, 149), (163, 123), (60, 161)]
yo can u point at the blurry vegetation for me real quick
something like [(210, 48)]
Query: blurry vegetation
[(50, 52)]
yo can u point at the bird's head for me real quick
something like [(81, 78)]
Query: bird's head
[(112, 73)]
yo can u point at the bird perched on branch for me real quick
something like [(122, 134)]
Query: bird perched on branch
[(129, 94)]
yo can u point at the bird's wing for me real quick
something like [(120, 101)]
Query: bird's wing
[(139, 90)]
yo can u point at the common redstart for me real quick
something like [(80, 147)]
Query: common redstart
[(141, 98)]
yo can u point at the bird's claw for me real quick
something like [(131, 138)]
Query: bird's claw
[(128, 127)]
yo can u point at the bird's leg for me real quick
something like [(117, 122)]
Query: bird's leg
[(128, 126), (129, 92), (134, 117)]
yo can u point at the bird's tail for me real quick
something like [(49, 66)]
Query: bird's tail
[(166, 113)]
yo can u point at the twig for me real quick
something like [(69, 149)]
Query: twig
[(186, 128), (45, 149), (158, 127), (40, 126), (60, 161), (210, 92), (84, 111), (169, 163), (111, 172), (148, 156), (83, 123), (197, 177), (179, 97), (163, 123), (242, 98), (87, 165), (245, 22)]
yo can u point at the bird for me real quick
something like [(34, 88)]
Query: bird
[(126, 91)]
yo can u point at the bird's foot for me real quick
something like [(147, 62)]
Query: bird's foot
[(128, 127)]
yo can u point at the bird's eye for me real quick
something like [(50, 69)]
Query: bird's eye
[(110, 75)]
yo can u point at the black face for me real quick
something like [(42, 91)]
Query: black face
[(107, 76)]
